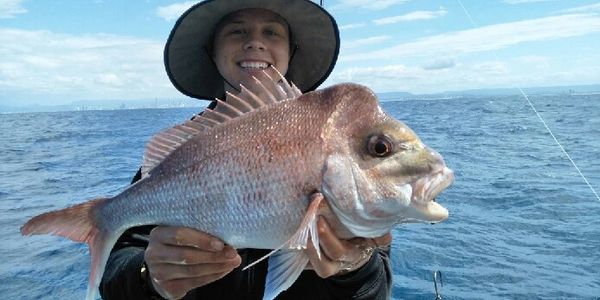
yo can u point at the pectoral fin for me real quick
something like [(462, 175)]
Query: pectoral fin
[(286, 265), (307, 228), (287, 262), (284, 268)]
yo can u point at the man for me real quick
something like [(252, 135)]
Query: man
[(216, 47)]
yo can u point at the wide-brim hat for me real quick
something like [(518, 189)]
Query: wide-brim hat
[(192, 71)]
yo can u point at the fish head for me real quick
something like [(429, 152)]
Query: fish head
[(378, 173)]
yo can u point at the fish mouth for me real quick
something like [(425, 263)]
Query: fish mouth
[(424, 192)]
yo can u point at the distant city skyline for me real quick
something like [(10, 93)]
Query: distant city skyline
[(57, 52)]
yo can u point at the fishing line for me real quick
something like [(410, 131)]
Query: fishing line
[(474, 24)]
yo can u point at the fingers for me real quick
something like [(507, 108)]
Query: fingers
[(381, 242), (324, 267), (177, 255), (180, 259), (334, 248), (174, 281), (177, 286), (341, 256), (183, 236), (168, 272)]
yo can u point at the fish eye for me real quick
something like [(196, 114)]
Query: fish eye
[(380, 146)]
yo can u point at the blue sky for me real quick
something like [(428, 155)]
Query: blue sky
[(55, 52)]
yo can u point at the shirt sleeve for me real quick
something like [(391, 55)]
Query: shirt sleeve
[(372, 281), (122, 278), (122, 275)]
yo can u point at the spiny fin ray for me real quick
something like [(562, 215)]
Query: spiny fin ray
[(257, 95)]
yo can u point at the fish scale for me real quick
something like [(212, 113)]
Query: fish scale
[(219, 216), (247, 178)]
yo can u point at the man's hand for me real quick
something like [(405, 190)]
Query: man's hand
[(341, 256), (180, 259)]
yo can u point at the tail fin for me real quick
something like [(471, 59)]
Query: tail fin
[(79, 223)]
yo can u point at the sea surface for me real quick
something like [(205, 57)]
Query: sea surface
[(523, 223)]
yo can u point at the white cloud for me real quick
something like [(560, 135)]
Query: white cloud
[(440, 63), (494, 68), (397, 77), (10, 8), (534, 60), (412, 16), (584, 9), (45, 64), (352, 26), (443, 62), (365, 42), (521, 71), (367, 4), (173, 11), (110, 79), (414, 79), (524, 1), (379, 78), (488, 38)]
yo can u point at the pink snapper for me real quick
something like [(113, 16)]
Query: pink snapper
[(245, 171)]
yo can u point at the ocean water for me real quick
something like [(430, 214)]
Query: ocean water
[(523, 223)]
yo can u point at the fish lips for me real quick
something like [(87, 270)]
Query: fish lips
[(425, 190)]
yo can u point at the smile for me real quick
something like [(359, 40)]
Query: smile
[(254, 65)]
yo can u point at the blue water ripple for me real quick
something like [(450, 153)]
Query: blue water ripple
[(523, 224)]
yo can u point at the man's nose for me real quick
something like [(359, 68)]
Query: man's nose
[(254, 42)]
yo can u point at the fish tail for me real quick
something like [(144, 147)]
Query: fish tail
[(79, 223)]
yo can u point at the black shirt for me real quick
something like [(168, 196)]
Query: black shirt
[(122, 279)]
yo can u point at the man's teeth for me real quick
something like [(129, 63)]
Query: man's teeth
[(254, 65)]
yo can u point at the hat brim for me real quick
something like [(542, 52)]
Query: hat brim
[(192, 71)]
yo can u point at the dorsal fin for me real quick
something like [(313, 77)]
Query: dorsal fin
[(165, 142)]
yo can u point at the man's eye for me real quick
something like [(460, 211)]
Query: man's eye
[(237, 31)]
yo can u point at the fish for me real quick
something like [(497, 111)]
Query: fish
[(245, 171)]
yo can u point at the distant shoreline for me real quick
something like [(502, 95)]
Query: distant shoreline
[(57, 110), (99, 105)]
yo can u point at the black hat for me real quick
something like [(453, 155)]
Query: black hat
[(189, 64)]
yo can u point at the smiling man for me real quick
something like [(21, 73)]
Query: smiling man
[(249, 41)]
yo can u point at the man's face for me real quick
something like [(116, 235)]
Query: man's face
[(249, 41)]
